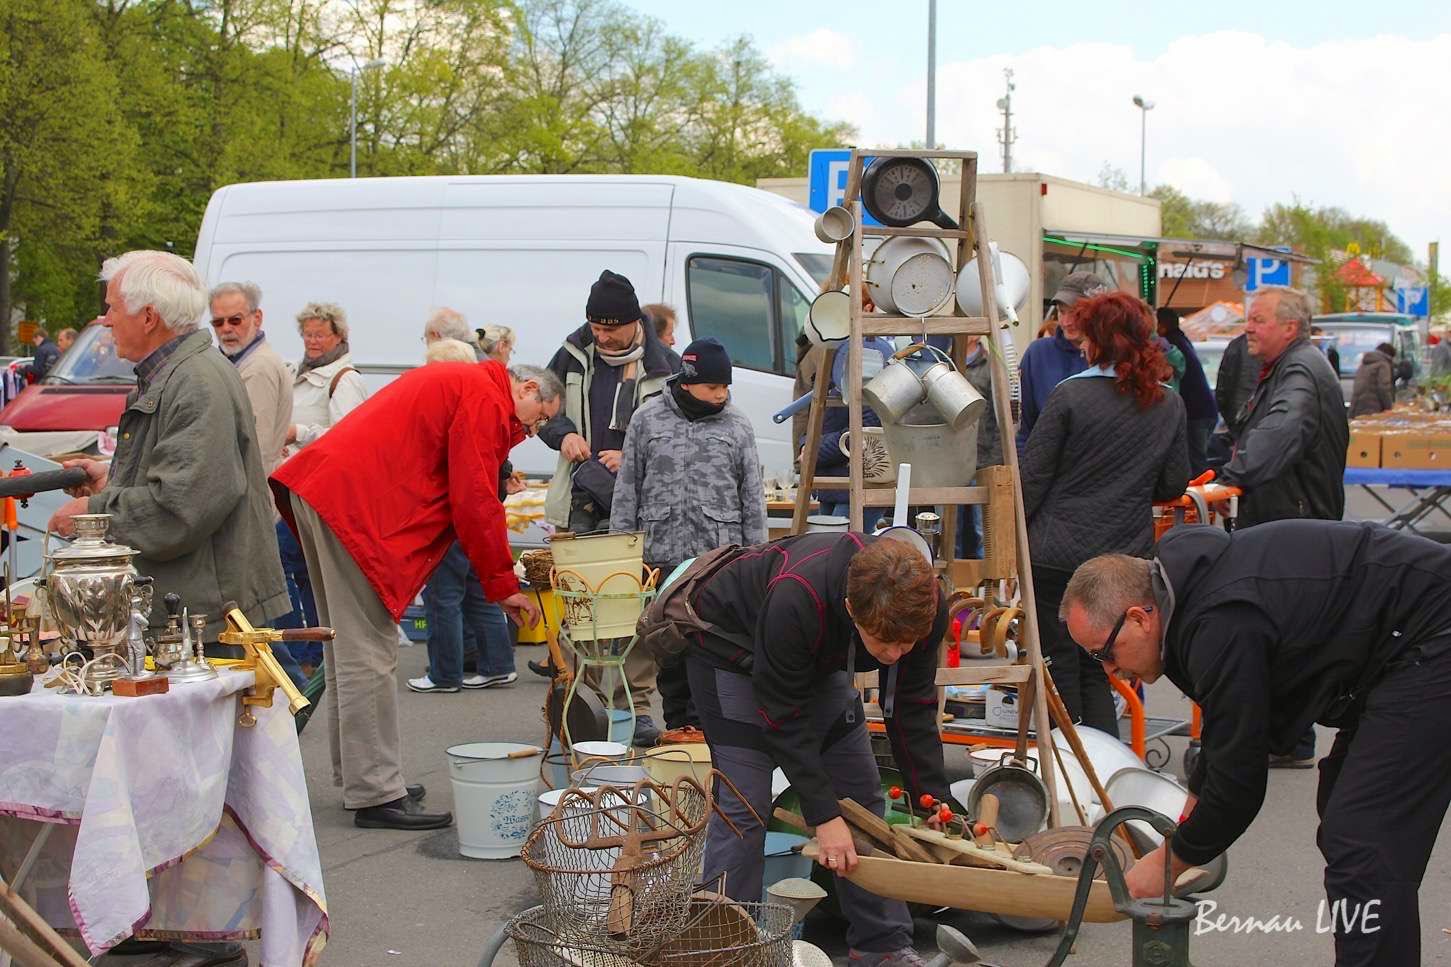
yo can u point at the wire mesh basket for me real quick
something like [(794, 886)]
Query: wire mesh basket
[(616, 867), (716, 933)]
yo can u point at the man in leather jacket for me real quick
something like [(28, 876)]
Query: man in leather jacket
[(1290, 456)]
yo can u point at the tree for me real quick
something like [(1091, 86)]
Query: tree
[(1113, 177), (1185, 217)]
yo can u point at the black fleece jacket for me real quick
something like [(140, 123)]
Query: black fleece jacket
[(1279, 626), (789, 599)]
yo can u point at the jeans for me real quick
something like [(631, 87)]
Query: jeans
[(299, 588), (842, 508), (969, 532), (454, 598)]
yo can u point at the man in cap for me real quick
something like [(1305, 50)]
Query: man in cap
[(609, 366), (1050, 361)]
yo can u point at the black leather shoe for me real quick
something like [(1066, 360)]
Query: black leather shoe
[(400, 814), (542, 668), (416, 792)]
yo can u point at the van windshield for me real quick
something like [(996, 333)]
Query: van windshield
[(92, 359), (1353, 342), (816, 264)]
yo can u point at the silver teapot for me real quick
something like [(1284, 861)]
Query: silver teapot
[(91, 590)]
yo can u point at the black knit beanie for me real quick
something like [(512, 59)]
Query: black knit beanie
[(705, 361), (612, 301)]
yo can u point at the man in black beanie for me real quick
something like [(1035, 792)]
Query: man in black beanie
[(609, 367)]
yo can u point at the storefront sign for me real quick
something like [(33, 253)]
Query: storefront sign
[(1192, 270)]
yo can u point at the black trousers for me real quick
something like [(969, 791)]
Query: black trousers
[(1384, 789), (1080, 680)]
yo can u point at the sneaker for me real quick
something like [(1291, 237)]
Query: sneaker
[(425, 684), (489, 681), (906, 957), (1292, 762), (646, 734)]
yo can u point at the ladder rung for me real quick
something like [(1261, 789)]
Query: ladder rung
[(875, 325), (886, 230)]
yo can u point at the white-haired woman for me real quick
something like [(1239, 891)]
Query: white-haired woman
[(447, 323), (461, 621), (496, 342), (327, 386)]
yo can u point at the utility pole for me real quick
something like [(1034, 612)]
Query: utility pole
[(1006, 134), (1145, 106), (931, 75)]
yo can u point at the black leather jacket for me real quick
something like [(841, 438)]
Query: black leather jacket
[(1290, 456)]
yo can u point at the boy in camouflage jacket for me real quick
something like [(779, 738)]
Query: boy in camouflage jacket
[(690, 479)]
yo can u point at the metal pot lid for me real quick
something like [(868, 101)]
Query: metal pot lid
[(87, 551)]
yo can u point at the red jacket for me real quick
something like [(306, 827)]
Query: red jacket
[(413, 467)]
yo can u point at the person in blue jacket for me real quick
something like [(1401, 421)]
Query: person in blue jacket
[(1200, 410), (830, 461), (1050, 361)]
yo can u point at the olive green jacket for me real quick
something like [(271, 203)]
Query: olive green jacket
[(188, 491)]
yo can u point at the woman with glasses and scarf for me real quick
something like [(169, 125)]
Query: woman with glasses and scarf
[(325, 389), (1109, 442)]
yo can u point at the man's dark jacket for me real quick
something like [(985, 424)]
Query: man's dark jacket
[(788, 598), (1199, 401), (46, 355), (1280, 626), (1046, 363), (1290, 457), (658, 361)]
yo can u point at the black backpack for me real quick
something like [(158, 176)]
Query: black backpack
[(665, 625)]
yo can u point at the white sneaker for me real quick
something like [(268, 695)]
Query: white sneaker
[(489, 681), (425, 684)]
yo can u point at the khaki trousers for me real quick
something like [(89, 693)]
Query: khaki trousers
[(360, 667)]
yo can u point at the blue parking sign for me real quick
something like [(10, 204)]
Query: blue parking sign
[(1413, 300), (1261, 272), (826, 180)]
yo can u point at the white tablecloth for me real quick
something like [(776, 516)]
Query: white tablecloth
[(176, 822)]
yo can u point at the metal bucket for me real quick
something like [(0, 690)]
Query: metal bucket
[(940, 456), (599, 577), (493, 796), (894, 391), (826, 522), (667, 763), (956, 399), (909, 276)]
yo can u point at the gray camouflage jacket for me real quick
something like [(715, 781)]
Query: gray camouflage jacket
[(691, 487)]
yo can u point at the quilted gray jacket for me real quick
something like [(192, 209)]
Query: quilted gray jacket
[(1094, 465), (691, 487)]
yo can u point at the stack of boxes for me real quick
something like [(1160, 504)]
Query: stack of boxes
[(1401, 439)]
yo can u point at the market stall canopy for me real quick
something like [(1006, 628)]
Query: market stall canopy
[(1222, 320), (1356, 274), (1218, 250)]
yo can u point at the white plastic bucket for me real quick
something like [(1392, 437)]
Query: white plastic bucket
[(493, 796)]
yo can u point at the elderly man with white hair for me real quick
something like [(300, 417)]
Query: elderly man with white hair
[(187, 487)]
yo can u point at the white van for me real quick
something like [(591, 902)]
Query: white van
[(737, 263)]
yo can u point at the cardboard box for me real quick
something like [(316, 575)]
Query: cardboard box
[(1364, 449), (1420, 450), (1002, 707)]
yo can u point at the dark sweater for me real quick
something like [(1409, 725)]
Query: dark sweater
[(789, 598), (1093, 467), (1194, 386)]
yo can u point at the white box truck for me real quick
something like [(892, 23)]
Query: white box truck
[(736, 262)]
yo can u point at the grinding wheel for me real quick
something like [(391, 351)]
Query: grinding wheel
[(1061, 850)]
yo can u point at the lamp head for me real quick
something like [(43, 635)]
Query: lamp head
[(1143, 103)]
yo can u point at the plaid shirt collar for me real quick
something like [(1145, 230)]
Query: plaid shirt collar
[(153, 363)]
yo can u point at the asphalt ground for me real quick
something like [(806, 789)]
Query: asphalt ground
[(409, 900)]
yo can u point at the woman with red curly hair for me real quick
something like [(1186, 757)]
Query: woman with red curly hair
[(1109, 442)]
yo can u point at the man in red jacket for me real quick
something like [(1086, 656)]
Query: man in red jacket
[(376, 503)]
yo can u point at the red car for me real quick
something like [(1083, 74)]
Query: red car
[(85, 391)]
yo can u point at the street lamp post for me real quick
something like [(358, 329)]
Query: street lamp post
[(353, 115), (1145, 106)]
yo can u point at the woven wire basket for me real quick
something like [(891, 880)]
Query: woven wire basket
[(578, 884), (715, 933)]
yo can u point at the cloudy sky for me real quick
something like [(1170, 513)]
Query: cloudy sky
[(1337, 103)]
